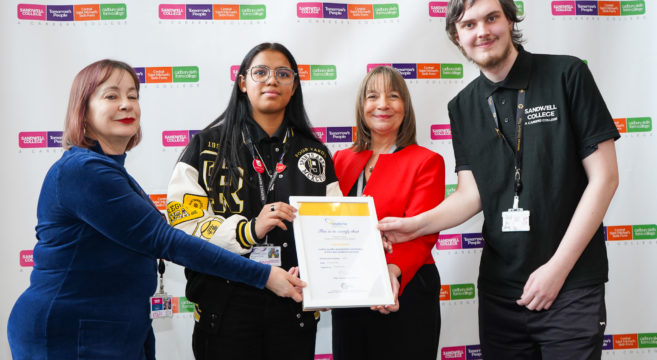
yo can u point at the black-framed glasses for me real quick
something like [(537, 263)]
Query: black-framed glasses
[(261, 73)]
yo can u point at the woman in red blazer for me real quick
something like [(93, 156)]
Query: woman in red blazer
[(404, 179)]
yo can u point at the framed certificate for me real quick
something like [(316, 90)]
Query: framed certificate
[(340, 252)]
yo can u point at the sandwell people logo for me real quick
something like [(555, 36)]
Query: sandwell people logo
[(39, 139), (424, 70), (212, 11), (345, 11), (598, 8), (87, 12), (167, 74)]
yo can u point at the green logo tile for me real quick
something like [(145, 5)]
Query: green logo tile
[(113, 12), (462, 291), (253, 12), (644, 232), (521, 7), (184, 305), (323, 72), (451, 71), (185, 74), (640, 124), (648, 340), (449, 189), (633, 8), (385, 11)]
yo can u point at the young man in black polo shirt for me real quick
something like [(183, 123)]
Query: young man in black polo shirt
[(534, 148)]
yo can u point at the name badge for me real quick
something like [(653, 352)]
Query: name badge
[(269, 255), (515, 220), (161, 306)]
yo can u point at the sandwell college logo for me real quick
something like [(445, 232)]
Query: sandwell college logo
[(212, 12), (177, 138), (467, 352), (87, 12), (324, 10)]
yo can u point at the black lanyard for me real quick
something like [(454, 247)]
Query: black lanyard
[(277, 169), (518, 148)]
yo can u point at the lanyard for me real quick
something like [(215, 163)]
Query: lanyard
[(517, 187), (280, 166)]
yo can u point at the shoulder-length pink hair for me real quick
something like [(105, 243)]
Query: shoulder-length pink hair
[(84, 85)]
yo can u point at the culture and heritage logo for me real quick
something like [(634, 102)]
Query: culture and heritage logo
[(87, 12), (212, 11)]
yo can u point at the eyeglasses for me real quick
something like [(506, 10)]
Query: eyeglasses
[(261, 74)]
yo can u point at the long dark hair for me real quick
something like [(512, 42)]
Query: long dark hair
[(239, 108)]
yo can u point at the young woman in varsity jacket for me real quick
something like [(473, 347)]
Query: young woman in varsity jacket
[(230, 187)]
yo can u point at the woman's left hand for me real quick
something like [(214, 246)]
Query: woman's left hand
[(394, 272)]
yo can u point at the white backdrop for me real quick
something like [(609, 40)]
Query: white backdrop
[(187, 62)]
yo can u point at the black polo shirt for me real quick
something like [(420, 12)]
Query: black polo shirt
[(564, 119)]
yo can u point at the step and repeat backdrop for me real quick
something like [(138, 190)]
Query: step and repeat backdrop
[(187, 54)]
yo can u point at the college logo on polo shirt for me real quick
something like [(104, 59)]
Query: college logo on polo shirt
[(313, 166), (541, 114)]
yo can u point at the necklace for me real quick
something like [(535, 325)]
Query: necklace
[(371, 168)]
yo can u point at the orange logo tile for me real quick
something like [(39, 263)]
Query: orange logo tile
[(428, 71), (304, 72), (621, 125), (609, 8), (225, 12), (444, 292), (159, 74), (616, 233), (360, 12), (86, 12), (626, 341), (160, 201)]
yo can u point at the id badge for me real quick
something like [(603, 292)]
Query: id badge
[(515, 220), (161, 306), (270, 255)]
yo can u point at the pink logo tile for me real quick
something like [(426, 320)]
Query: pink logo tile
[(172, 11), (448, 242), (26, 259), (175, 138), (309, 10), (31, 12), (32, 139), (437, 8), (441, 132)]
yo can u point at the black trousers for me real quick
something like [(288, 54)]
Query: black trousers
[(256, 325), (410, 333), (573, 327)]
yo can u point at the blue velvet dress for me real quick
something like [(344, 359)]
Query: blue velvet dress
[(95, 264)]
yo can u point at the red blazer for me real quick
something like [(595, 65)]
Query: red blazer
[(403, 184)]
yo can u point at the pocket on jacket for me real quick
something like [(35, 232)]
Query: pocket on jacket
[(101, 339)]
